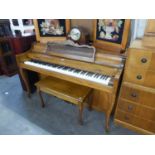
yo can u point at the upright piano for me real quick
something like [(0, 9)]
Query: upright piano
[(102, 75)]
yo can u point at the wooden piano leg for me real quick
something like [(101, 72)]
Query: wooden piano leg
[(108, 113), (41, 98), (25, 79), (90, 98), (107, 120), (81, 113)]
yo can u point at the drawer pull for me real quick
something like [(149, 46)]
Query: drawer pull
[(139, 77), (143, 60), (126, 118), (134, 95), (130, 107)]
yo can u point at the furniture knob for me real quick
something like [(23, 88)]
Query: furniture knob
[(126, 117), (139, 77), (143, 60), (130, 107), (134, 95)]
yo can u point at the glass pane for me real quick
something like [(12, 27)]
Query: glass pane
[(15, 22), (27, 22)]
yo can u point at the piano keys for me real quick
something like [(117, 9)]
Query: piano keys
[(90, 76)]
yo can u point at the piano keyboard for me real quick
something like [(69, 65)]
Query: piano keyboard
[(90, 76)]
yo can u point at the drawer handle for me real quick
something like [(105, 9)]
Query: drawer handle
[(134, 95), (126, 117), (143, 60), (130, 107), (139, 77)]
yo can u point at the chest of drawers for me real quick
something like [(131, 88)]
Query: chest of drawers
[(136, 102)]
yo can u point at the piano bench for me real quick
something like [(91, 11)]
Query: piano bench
[(65, 90)]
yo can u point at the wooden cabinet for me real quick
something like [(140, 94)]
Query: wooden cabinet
[(22, 44), (136, 103), (7, 57)]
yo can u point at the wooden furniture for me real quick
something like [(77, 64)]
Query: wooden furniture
[(22, 43), (149, 35), (5, 29), (65, 90), (115, 44), (136, 104), (105, 65), (7, 57), (50, 37), (1, 73), (102, 73), (69, 49)]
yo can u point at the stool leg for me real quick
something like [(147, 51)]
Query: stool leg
[(107, 120), (41, 98), (90, 102), (81, 113)]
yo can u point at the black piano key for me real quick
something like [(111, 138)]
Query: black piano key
[(78, 71), (65, 68), (87, 73), (97, 75), (91, 74), (82, 72), (101, 77), (106, 77), (61, 67), (71, 69)]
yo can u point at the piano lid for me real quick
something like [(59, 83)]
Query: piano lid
[(69, 49)]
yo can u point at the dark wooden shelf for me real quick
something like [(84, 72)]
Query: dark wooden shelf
[(7, 58), (7, 53)]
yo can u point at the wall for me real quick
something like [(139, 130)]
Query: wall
[(86, 23)]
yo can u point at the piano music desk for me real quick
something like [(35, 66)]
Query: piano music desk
[(65, 90)]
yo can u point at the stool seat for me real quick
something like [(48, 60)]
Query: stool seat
[(65, 90)]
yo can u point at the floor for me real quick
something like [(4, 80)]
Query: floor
[(20, 115)]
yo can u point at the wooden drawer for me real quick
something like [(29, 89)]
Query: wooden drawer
[(140, 76), (135, 121), (141, 58), (138, 110), (142, 95)]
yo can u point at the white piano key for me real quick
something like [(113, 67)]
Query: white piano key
[(57, 68)]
